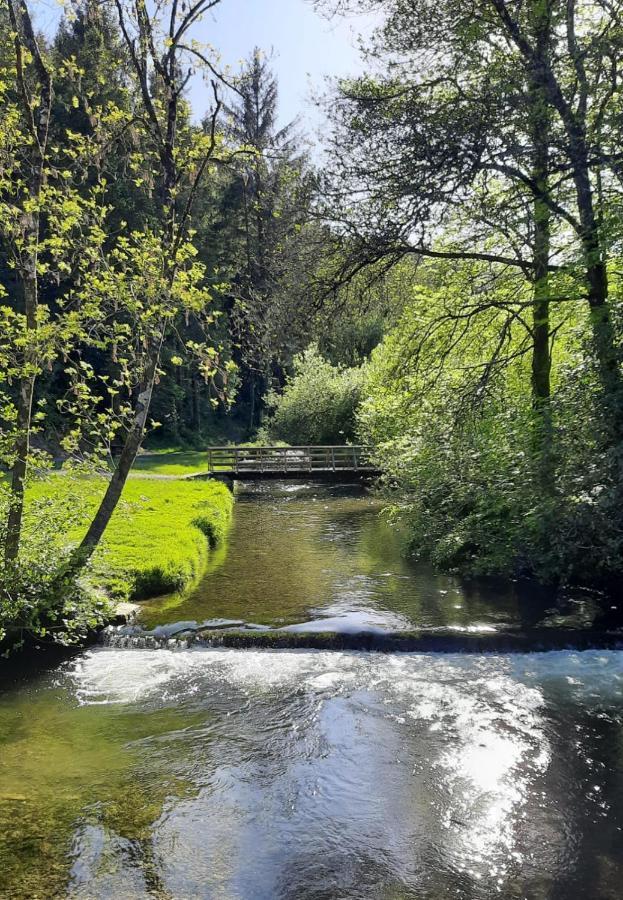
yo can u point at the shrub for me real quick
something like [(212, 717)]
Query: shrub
[(33, 602), (319, 402), (468, 476)]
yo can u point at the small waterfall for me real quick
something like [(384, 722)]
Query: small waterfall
[(241, 635), (174, 635)]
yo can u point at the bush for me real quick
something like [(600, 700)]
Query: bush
[(33, 602), (468, 477), (319, 402)]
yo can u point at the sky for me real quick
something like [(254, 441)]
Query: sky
[(306, 47)]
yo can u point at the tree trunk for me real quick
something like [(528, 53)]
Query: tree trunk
[(19, 470), (541, 356), (541, 359), (602, 329), (252, 406), (196, 409), (119, 477), (541, 352), (38, 118), (596, 272), (26, 388)]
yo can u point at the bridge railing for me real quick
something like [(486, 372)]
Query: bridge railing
[(310, 458)]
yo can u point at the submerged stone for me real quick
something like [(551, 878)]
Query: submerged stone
[(173, 628), (125, 613), (223, 623)]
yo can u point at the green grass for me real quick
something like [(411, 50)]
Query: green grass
[(178, 462), (159, 536), (182, 462)]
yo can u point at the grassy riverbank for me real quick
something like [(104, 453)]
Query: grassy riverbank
[(159, 536), (171, 462)]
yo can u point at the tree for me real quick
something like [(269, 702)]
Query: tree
[(579, 110), (100, 81), (160, 261), (479, 147), (264, 209), (51, 226), (319, 402), (35, 108), (490, 105)]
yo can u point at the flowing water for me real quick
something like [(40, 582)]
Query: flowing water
[(238, 774), (323, 557)]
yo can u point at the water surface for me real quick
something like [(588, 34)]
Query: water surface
[(311, 775), (305, 774), (324, 556)]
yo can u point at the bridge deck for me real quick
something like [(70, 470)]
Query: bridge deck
[(290, 462)]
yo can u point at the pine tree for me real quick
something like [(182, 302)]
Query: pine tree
[(262, 210)]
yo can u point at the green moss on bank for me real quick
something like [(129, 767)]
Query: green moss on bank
[(414, 641), (159, 536)]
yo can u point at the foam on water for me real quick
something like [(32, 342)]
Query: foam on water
[(108, 675), (465, 742)]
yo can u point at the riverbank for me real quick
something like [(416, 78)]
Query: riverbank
[(157, 542), (159, 536)]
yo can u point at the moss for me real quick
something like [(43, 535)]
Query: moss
[(156, 540), (414, 641)]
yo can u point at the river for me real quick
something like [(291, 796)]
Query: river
[(242, 774)]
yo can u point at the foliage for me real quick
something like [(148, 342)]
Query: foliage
[(33, 604), (468, 465), (318, 403), (477, 139)]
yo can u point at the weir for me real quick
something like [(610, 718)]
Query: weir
[(236, 741), (184, 635)]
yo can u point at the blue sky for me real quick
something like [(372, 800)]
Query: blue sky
[(306, 47)]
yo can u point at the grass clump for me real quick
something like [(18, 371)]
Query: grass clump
[(156, 540)]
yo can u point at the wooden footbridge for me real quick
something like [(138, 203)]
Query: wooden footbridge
[(349, 462)]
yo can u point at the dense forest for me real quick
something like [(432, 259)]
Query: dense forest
[(439, 280)]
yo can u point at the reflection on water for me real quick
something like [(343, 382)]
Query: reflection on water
[(303, 774), (306, 775), (312, 552)]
